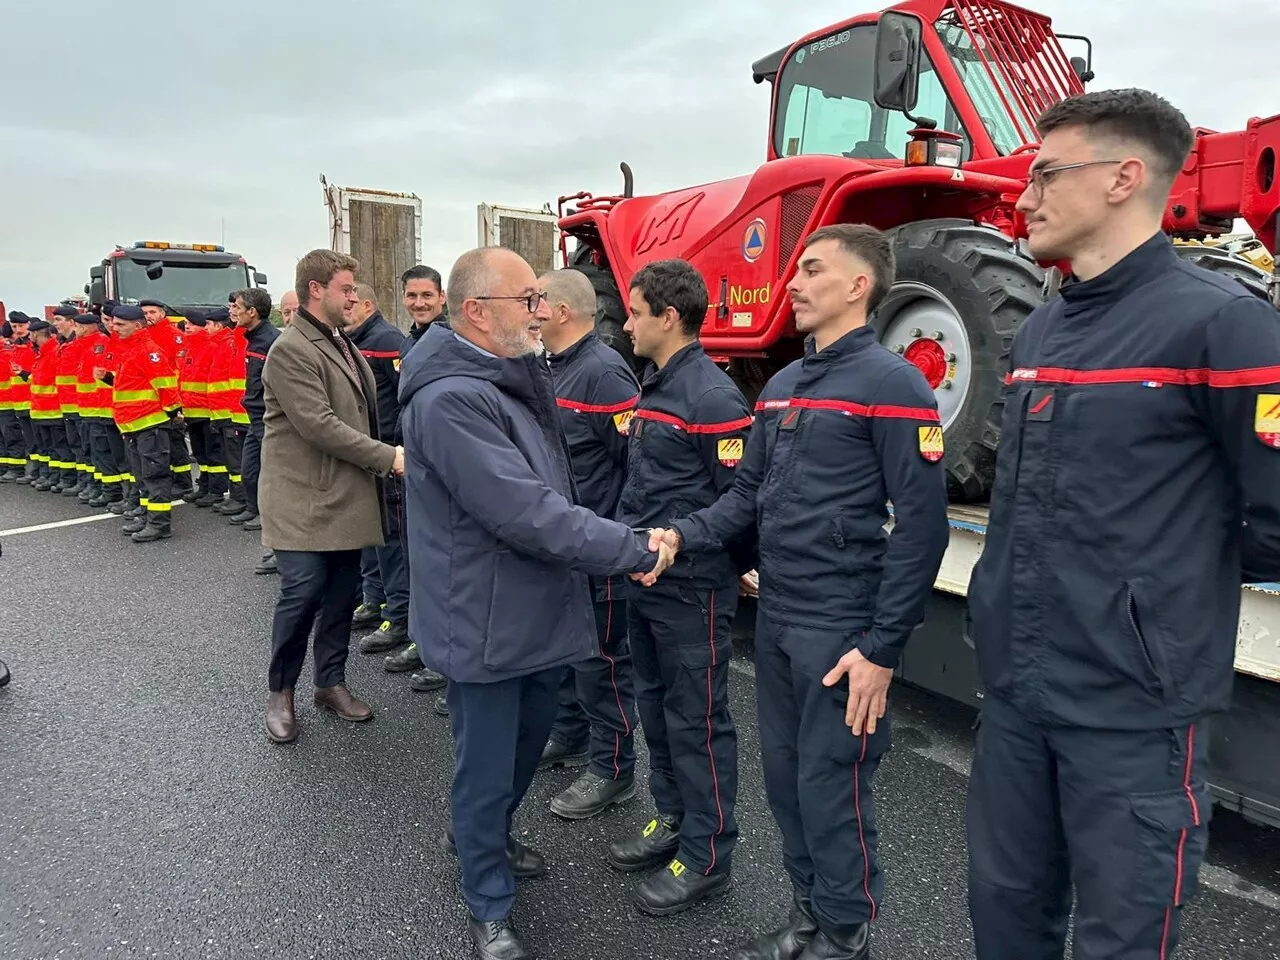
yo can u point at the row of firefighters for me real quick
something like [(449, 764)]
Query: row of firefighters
[(99, 408)]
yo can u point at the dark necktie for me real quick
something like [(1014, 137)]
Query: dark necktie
[(346, 352)]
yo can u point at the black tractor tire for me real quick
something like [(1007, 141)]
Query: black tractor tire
[(993, 287), (1254, 279), (611, 313)]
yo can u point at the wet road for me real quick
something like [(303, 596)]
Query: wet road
[(144, 813)]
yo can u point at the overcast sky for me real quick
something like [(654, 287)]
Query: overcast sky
[(162, 121)]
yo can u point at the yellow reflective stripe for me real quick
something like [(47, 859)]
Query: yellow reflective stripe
[(234, 477), (65, 381), (45, 415), (236, 384), (150, 420), (195, 414), (134, 396), (143, 502), (185, 469), (161, 382), (219, 468), (43, 391), (160, 507), (239, 418)]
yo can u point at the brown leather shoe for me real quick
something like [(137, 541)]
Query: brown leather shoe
[(282, 726), (338, 699)]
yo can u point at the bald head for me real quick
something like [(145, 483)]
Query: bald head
[(572, 302), (491, 290), (288, 306)]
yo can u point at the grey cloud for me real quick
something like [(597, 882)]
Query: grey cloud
[(169, 118)]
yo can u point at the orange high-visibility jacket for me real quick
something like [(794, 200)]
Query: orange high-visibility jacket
[(67, 375), (145, 388), (193, 375), (94, 396), (44, 383)]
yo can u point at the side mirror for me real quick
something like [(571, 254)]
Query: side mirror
[(897, 77), (97, 273), (155, 271), (260, 278), (97, 291)]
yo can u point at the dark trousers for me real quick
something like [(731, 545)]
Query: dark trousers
[(371, 577), (681, 644), (198, 431), (12, 456), (45, 445), (63, 461), (28, 433), (179, 458), (102, 453), (499, 730), (251, 465), (233, 451), (215, 451), (597, 696), (1122, 815), (321, 583), (149, 452), (72, 426), (817, 774), (119, 453)]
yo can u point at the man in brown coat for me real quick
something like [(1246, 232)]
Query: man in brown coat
[(320, 492)]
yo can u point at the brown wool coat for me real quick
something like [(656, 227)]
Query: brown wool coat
[(321, 482)]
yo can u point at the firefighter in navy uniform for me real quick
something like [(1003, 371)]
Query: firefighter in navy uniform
[(686, 437), (1136, 489), (596, 395), (384, 569), (838, 433)]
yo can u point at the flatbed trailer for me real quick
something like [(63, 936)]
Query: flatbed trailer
[(1244, 742)]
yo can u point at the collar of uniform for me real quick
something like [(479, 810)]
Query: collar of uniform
[(854, 340), (566, 356), (1131, 271), (678, 359)]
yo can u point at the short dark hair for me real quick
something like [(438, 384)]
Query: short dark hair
[(257, 300), (1129, 114), (422, 272), (869, 245), (674, 283)]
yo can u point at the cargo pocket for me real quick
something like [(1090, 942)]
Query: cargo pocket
[(1170, 839)]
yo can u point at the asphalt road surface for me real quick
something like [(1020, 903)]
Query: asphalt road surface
[(144, 813)]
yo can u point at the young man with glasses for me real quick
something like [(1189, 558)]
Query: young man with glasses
[(1135, 490)]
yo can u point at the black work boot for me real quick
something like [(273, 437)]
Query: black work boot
[(496, 940), (591, 794), (524, 861), (788, 942), (441, 707), (402, 661), (134, 525), (386, 637), (208, 500), (366, 615), (229, 508), (157, 528), (424, 680), (267, 564), (677, 888), (243, 516), (556, 754), (851, 944), (654, 845)]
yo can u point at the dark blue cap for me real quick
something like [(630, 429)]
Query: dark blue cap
[(65, 310), (127, 311), (88, 318), (196, 318), (17, 316), (37, 325), (218, 315), (155, 303)]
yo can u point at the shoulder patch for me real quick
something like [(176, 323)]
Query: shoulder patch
[(153, 357), (930, 440), (1266, 419), (729, 451), (622, 421), (395, 364)]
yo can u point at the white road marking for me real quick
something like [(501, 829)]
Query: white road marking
[(56, 524)]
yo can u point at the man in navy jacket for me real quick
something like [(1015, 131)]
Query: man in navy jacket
[(499, 598), (1136, 488)]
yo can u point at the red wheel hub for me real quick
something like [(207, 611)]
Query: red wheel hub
[(930, 358)]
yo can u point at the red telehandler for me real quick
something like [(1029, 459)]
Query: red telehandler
[(920, 120)]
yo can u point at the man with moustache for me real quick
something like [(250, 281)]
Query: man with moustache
[(500, 554)]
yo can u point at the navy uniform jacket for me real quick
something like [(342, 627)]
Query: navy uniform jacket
[(837, 434), (596, 394), (1137, 485), (381, 343), (686, 439), (256, 344), (415, 334), (498, 550)]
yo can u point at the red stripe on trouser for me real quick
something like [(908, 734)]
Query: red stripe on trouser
[(613, 677), (857, 809), (1182, 841), (711, 758)]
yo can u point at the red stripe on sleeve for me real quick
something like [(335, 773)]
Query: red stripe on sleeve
[(595, 407)]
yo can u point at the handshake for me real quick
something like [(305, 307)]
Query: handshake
[(397, 466), (666, 543)]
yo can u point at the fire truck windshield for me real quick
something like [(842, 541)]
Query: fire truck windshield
[(989, 96), (190, 284)]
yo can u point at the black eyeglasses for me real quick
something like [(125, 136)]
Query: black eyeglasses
[(531, 300), (1037, 180)]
